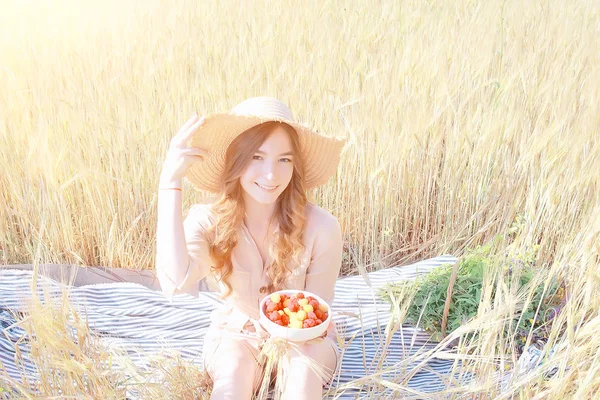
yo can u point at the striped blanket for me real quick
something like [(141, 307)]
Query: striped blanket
[(133, 317)]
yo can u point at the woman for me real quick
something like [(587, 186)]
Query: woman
[(261, 235)]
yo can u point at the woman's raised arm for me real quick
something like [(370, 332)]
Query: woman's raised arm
[(174, 263)]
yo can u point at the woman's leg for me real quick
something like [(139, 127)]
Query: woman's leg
[(232, 365), (302, 382)]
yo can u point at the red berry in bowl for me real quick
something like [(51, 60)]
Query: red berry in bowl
[(274, 316), (308, 323), (294, 306)]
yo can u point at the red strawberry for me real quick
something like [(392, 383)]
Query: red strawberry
[(310, 298), (308, 323), (318, 321), (314, 304), (274, 316), (285, 319), (294, 306), (311, 315), (300, 295), (271, 307)]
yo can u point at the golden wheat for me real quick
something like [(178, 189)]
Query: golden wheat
[(462, 116)]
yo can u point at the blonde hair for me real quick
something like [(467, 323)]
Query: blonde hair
[(229, 209)]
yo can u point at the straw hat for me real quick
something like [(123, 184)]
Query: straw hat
[(321, 154)]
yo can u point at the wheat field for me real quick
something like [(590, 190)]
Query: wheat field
[(462, 117)]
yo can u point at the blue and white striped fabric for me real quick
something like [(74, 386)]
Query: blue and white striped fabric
[(135, 318)]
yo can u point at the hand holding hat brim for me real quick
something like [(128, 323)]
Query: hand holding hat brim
[(321, 154)]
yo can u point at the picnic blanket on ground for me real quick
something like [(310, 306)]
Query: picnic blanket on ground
[(133, 317)]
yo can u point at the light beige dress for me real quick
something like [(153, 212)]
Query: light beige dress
[(238, 317)]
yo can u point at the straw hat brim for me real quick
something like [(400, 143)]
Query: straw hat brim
[(321, 154)]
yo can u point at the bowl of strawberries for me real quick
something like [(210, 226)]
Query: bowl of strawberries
[(295, 315)]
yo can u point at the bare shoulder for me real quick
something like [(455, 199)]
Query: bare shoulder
[(199, 209), (201, 214)]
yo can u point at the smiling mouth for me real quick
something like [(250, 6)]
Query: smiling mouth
[(267, 188)]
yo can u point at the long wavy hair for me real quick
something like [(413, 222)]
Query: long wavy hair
[(229, 209)]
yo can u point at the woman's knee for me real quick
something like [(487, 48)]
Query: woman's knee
[(322, 352), (314, 359), (234, 362), (303, 382)]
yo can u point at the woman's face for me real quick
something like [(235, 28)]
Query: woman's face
[(270, 170)]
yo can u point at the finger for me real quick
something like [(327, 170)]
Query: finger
[(193, 159), (194, 151), (187, 124), (193, 128)]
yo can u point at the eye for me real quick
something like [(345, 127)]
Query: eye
[(257, 158), (287, 160)]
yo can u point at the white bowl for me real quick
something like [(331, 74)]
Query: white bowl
[(293, 334)]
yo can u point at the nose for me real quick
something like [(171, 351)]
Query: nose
[(269, 170)]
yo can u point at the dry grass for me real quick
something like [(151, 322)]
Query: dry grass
[(71, 361), (461, 115)]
